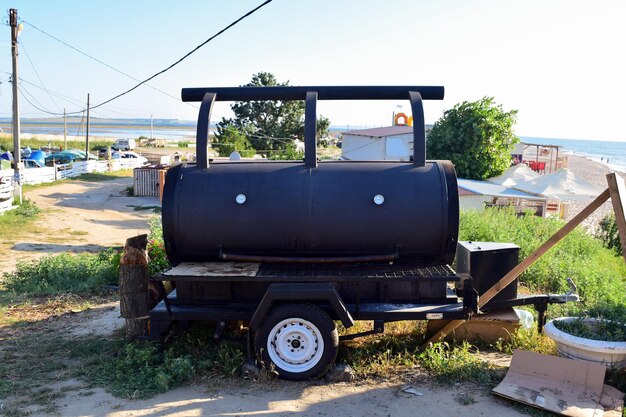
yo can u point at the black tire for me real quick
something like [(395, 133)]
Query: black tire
[(294, 318)]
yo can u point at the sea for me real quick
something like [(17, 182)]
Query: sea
[(612, 153)]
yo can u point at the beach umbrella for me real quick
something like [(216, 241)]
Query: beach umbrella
[(561, 185), (513, 175)]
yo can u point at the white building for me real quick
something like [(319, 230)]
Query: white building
[(381, 143)]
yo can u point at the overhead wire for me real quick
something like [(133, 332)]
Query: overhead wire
[(37, 72), (249, 13), (103, 63)]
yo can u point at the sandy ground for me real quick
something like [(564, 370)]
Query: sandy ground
[(594, 173), (80, 216), (294, 399), (99, 215)]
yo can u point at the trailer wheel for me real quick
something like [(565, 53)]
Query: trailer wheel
[(299, 341)]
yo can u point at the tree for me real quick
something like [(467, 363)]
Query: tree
[(476, 136), (269, 125), (232, 140)]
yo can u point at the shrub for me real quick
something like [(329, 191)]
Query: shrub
[(476, 136), (609, 234), (156, 248), (598, 273), (56, 274)]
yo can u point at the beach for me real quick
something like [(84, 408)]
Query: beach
[(594, 173)]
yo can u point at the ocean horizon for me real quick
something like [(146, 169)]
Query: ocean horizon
[(612, 153)]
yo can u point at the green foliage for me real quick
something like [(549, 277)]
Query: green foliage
[(268, 125), (527, 339), (183, 144), (6, 143), (606, 330), (608, 233), (141, 370), (457, 363), (232, 140), (476, 136), (598, 273), (156, 248), (289, 154), (18, 220), (56, 274)]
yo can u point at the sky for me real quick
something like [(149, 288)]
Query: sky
[(561, 64)]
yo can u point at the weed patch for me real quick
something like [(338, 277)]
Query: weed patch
[(64, 273), (20, 219)]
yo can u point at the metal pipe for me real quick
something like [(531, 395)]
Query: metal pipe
[(324, 93), (202, 132), (310, 130), (309, 260)]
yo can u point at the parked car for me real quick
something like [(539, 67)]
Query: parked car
[(68, 156), (32, 163), (129, 155), (125, 144)]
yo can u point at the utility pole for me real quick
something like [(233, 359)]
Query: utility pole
[(87, 132), (16, 110), (150, 126), (64, 130), (17, 150)]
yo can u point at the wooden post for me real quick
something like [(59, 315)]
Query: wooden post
[(134, 294), (525, 264), (618, 194)]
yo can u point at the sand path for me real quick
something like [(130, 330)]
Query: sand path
[(79, 216)]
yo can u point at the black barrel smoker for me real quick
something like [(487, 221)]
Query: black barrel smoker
[(288, 247)]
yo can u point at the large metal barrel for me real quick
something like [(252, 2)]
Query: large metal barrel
[(339, 209)]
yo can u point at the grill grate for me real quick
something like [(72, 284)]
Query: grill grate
[(370, 270)]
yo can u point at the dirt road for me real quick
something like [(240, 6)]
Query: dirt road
[(79, 216), (88, 216)]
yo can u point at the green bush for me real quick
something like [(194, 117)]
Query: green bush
[(598, 273), (156, 247), (56, 274), (141, 370), (609, 234)]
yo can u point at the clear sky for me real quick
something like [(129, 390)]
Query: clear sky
[(562, 64)]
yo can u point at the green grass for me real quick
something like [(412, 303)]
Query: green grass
[(19, 220), (91, 177), (6, 143), (64, 273), (598, 273)]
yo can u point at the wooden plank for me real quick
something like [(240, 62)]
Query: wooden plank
[(526, 263), (618, 196), (212, 269)]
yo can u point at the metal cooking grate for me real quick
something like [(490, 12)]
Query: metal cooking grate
[(372, 270)]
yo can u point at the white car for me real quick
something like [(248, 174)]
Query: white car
[(129, 155)]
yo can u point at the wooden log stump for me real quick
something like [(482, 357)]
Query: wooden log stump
[(134, 294)]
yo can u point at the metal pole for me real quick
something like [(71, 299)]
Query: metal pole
[(87, 132), (16, 110), (64, 130)]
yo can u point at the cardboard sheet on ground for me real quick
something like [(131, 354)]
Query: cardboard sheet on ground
[(564, 386)]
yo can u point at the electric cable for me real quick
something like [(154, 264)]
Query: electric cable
[(176, 62), (37, 72)]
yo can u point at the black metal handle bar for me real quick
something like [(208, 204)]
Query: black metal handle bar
[(415, 94), (378, 92)]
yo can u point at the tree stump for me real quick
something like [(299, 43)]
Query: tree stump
[(134, 294)]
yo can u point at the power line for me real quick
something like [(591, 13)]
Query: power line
[(102, 62), (37, 73), (179, 60)]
